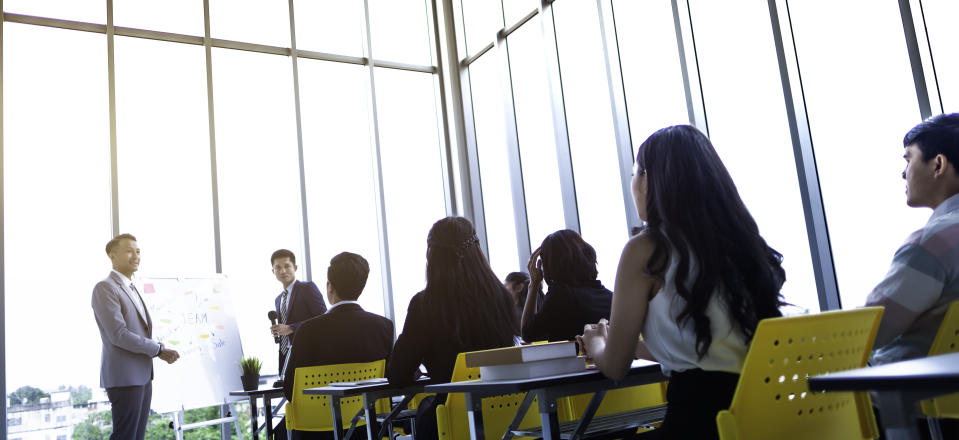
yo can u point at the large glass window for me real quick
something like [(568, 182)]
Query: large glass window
[(481, 20), (494, 164), (941, 17), (177, 16), (56, 189), (592, 142), (399, 31), (412, 179), (748, 126), (861, 101), (332, 26), (90, 11), (259, 184), (515, 10), (339, 172), (253, 21), (652, 73), (537, 138), (163, 147)]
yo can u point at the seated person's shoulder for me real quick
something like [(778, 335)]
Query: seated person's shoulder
[(639, 247)]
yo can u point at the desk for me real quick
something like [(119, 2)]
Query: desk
[(371, 393), (898, 386), (547, 390), (267, 393)]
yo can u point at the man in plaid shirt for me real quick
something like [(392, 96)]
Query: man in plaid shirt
[(924, 276)]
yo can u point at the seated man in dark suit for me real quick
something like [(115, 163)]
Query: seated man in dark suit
[(345, 334)]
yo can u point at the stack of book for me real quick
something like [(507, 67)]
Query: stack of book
[(526, 361)]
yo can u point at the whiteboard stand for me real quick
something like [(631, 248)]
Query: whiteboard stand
[(227, 418)]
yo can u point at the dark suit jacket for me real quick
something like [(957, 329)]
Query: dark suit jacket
[(566, 310), (305, 302), (346, 334)]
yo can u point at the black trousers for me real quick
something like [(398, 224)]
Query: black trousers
[(695, 397), (131, 409)]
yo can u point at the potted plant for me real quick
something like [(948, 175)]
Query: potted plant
[(250, 366)]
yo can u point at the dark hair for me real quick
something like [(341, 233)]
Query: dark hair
[(568, 259), (347, 274), (936, 135), (518, 277), (282, 253), (462, 290), (115, 241), (694, 209)]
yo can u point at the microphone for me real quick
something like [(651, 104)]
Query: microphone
[(272, 316)]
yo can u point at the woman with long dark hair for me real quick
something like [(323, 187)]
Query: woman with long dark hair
[(575, 296), (464, 307), (696, 282)]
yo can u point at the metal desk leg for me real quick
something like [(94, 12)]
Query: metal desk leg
[(268, 415), (337, 417), (474, 409), (594, 403), (520, 414), (253, 427), (548, 416), (372, 427), (898, 416)]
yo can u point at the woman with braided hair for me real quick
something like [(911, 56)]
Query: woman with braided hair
[(464, 307)]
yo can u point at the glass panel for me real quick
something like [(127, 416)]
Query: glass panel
[(400, 31), (166, 198), (861, 101), (537, 139), (412, 176), (592, 141), (259, 185), (89, 11), (655, 97), (515, 10), (337, 154), (941, 18), (494, 162), (56, 188), (177, 16), (482, 19), (253, 21), (740, 76), (331, 26)]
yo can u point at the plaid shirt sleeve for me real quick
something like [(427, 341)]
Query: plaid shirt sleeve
[(913, 285)]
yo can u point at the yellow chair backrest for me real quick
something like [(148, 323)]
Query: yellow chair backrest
[(498, 411), (947, 341), (312, 413), (615, 401), (772, 398)]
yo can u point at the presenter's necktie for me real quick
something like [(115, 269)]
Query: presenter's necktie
[(284, 340), (138, 301)]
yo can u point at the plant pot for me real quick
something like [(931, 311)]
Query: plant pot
[(250, 382)]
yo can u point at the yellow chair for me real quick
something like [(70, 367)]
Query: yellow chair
[(312, 413), (615, 402), (772, 398), (946, 341), (452, 422)]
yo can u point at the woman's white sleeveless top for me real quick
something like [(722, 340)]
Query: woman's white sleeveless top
[(674, 345)]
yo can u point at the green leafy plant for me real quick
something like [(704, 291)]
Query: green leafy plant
[(250, 366)]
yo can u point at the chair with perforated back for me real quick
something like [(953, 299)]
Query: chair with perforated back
[(621, 409), (312, 413), (451, 419), (946, 341), (773, 400)]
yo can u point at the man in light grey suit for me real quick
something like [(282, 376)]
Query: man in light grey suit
[(126, 365)]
